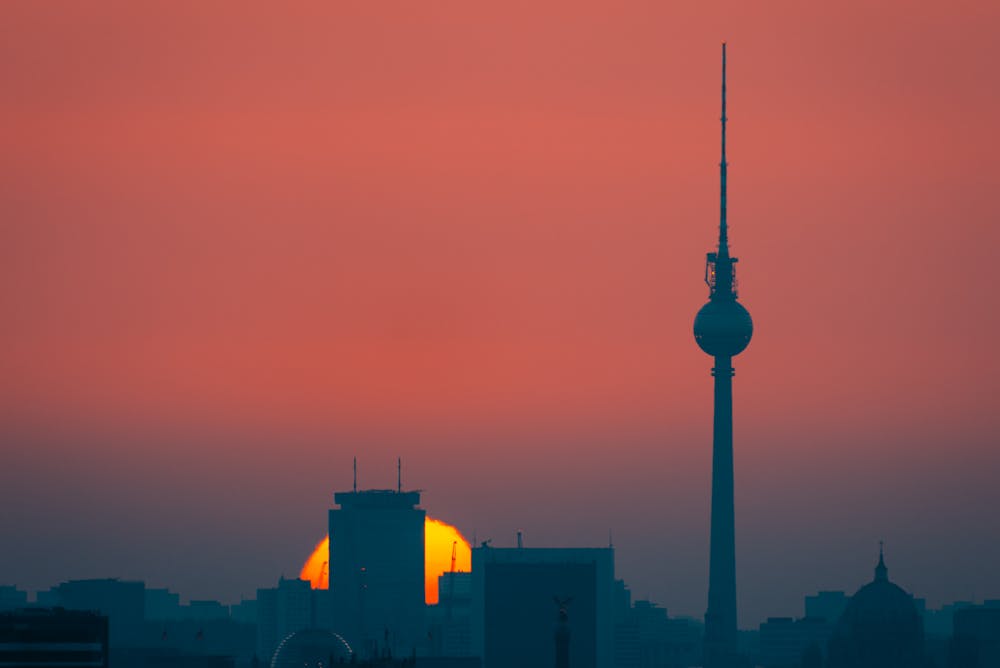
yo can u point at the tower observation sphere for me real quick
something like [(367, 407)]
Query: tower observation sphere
[(723, 327)]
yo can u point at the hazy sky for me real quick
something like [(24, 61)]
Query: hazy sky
[(241, 243)]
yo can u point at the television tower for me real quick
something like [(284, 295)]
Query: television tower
[(722, 329)]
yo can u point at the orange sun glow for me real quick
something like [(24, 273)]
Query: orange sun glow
[(438, 540)]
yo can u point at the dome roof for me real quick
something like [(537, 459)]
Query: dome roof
[(880, 626), (312, 648), (881, 602)]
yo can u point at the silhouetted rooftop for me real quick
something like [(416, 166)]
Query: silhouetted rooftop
[(377, 498)]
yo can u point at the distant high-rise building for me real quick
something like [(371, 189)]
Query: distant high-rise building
[(653, 632), (450, 621), (377, 570), (784, 642), (666, 642), (940, 622), (11, 597), (281, 611), (976, 637), (162, 604), (514, 595), (828, 605), (722, 329), (123, 601), (245, 611), (626, 635)]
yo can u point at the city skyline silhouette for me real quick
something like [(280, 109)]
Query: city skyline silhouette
[(241, 249)]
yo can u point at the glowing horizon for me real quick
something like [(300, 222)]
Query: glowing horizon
[(439, 537)]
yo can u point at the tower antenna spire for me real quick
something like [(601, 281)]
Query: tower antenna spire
[(723, 170), (355, 474), (399, 474)]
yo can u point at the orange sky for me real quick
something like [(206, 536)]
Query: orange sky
[(235, 244)]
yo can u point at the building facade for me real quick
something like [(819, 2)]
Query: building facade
[(53, 637), (377, 571), (517, 597)]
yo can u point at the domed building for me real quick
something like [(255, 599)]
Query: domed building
[(311, 648), (880, 628)]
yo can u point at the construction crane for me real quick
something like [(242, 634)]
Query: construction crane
[(451, 578)]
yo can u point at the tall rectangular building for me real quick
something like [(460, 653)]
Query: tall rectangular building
[(377, 570)]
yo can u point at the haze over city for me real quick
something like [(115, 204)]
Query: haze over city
[(239, 248)]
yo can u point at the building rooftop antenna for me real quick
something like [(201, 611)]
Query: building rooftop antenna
[(399, 474), (355, 474)]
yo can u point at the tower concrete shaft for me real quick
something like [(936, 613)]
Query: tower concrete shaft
[(720, 619)]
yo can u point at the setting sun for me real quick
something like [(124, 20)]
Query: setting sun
[(439, 538)]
